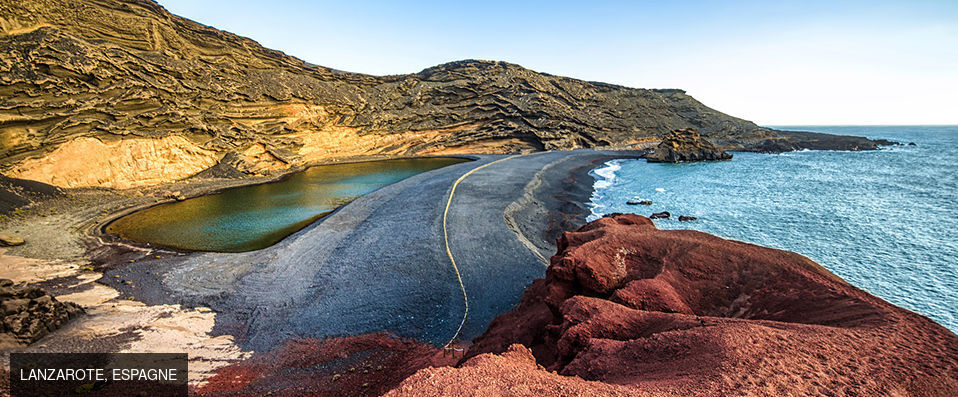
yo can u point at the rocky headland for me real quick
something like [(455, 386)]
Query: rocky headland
[(685, 145), (121, 93), (627, 309)]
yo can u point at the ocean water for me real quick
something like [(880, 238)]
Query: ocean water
[(886, 221)]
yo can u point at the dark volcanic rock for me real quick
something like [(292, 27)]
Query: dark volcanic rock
[(680, 312), (786, 141), (819, 141), (639, 202), (661, 215), (363, 365), (28, 313), (685, 145), (686, 218), (16, 193)]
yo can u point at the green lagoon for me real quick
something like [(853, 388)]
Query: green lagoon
[(253, 217)]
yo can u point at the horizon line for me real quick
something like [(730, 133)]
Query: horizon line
[(854, 125)]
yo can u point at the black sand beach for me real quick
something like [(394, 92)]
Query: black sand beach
[(379, 262)]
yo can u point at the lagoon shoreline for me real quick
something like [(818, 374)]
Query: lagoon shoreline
[(371, 266), (151, 279), (353, 246)]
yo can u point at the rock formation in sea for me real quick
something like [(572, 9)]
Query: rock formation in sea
[(121, 93), (627, 309), (28, 313), (685, 145)]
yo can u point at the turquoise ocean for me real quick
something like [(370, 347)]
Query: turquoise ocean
[(886, 221)]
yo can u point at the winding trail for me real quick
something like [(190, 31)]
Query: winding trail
[(445, 237)]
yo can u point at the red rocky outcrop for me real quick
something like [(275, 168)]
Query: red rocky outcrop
[(628, 308)]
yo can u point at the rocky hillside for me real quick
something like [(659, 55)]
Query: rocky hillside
[(122, 93)]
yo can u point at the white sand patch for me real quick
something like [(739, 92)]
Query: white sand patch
[(152, 329), (28, 270)]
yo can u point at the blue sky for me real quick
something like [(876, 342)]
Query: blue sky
[(790, 62)]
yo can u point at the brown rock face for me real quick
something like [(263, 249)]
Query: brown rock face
[(685, 145), (679, 312), (114, 70), (28, 313)]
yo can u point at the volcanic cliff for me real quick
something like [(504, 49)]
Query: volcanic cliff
[(121, 93)]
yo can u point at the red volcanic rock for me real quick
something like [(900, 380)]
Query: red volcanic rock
[(625, 306), (513, 373), (364, 365)]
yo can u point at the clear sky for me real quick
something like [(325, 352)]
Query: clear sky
[(772, 62)]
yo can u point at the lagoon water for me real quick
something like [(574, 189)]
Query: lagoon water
[(886, 221), (254, 217)]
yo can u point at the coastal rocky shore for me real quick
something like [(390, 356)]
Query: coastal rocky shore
[(627, 309), (624, 309), (111, 106)]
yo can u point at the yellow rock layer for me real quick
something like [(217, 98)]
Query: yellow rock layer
[(338, 142), (90, 162), (138, 162), (261, 161)]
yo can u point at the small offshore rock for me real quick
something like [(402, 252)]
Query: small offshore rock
[(661, 215), (10, 240), (685, 218), (639, 202)]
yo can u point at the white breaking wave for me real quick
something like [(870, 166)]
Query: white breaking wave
[(604, 178)]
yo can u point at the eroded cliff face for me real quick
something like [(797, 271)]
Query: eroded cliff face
[(127, 69)]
